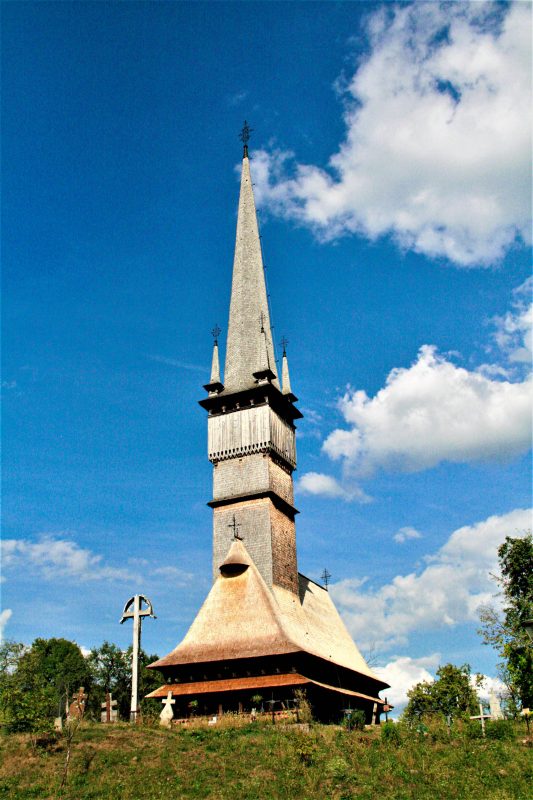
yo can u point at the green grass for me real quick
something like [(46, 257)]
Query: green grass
[(261, 762)]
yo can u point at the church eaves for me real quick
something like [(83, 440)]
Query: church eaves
[(249, 332)]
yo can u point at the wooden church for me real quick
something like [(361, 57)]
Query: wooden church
[(264, 628)]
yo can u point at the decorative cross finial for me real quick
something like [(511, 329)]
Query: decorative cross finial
[(325, 577), (244, 136), (215, 333), (235, 527), (284, 342)]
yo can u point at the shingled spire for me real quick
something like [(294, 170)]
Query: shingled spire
[(249, 319), (215, 385)]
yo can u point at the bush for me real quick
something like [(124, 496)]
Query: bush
[(305, 713), (499, 729), (355, 721), (390, 733), (306, 752), (472, 730), (337, 768)]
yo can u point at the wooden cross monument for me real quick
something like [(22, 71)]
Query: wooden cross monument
[(134, 610)]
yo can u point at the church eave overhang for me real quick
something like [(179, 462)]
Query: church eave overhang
[(278, 501), (252, 396)]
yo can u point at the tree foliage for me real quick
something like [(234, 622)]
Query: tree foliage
[(451, 694), (505, 631), (35, 681), (111, 672)]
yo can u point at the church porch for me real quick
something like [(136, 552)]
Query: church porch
[(277, 693)]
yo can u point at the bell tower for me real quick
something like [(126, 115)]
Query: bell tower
[(251, 432)]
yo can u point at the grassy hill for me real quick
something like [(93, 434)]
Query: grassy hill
[(264, 762)]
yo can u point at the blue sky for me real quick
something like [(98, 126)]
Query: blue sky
[(390, 155)]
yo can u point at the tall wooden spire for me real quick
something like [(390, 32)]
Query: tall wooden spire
[(251, 433), (249, 319)]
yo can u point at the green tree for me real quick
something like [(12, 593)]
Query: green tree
[(505, 631), (34, 682), (149, 679), (111, 672), (58, 663), (450, 694)]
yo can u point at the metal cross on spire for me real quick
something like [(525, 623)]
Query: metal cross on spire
[(235, 527), (244, 136), (325, 577), (215, 333), (284, 342)]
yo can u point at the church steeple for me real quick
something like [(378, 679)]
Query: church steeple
[(251, 432), (249, 320)]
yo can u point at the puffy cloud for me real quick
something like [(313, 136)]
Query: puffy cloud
[(430, 412), (406, 533), (437, 146), (53, 558), (447, 592), (5, 616), (403, 673), (326, 486), (514, 331)]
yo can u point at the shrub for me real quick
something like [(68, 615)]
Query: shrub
[(499, 729), (358, 720), (305, 713), (338, 768), (306, 751), (390, 733), (472, 730)]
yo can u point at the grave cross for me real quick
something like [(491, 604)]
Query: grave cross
[(109, 712), (167, 713), (134, 610), (481, 717), (77, 707)]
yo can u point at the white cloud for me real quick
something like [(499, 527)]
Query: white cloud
[(178, 576), (406, 533), (5, 616), (174, 362), (514, 331), (489, 684), (430, 412), (55, 558), (326, 486), (437, 146), (447, 592), (405, 672)]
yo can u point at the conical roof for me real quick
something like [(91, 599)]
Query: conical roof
[(242, 618), (249, 312)]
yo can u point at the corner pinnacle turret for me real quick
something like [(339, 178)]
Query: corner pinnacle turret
[(215, 385)]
